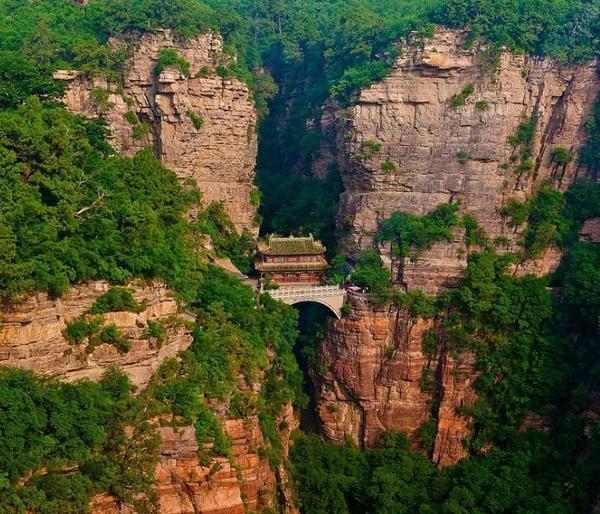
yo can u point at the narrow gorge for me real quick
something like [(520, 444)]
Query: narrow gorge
[(447, 160)]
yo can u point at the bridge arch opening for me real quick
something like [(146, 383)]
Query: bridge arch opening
[(325, 304), (316, 305), (331, 297), (312, 327)]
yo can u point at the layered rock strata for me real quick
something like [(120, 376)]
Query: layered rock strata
[(372, 383), (437, 130), (379, 379), (201, 125), (32, 334)]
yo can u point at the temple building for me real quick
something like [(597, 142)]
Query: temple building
[(289, 261)]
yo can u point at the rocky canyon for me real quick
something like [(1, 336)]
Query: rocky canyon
[(134, 320)]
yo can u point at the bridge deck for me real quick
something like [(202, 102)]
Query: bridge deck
[(312, 291), (330, 296)]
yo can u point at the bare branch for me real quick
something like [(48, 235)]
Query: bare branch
[(101, 197)]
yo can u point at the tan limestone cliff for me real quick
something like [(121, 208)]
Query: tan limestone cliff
[(32, 334), (375, 379), (220, 154), (409, 114)]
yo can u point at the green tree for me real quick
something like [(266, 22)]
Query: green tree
[(371, 274)]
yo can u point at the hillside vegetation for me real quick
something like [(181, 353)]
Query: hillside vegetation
[(74, 210)]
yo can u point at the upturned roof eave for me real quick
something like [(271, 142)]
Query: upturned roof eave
[(297, 267)]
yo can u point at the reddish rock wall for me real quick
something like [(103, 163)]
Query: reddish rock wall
[(374, 364), (220, 155), (456, 376), (186, 486), (375, 381)]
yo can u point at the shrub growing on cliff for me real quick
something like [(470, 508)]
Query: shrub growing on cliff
[(408, 231), (140, 131), (368, 150), (131, 117), (110, 334), (82, 328), (156, 330), (474, 232), (238, 338), (561, 155), (388, 165), (215, 222), (547, 224), (460, 99), (417, 302), (516, 211), (462, 156), (116, 299), (170, 58), (522, 139), (371, 274), (99, 97), (196, 119), (225, 72)]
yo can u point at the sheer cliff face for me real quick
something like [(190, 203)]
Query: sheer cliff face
[(378, 377), (202, 126), (372, 384), (422, 132), (187, 486)]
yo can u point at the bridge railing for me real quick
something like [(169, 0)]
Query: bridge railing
[(304, 292)]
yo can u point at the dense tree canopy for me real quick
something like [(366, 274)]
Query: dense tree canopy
[(526, 477), (47, 427), (73, 210)]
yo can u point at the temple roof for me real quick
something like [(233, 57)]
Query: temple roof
[(291, 246), (291, 266)]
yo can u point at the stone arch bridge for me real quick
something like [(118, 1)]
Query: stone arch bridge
[(331, 297)]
